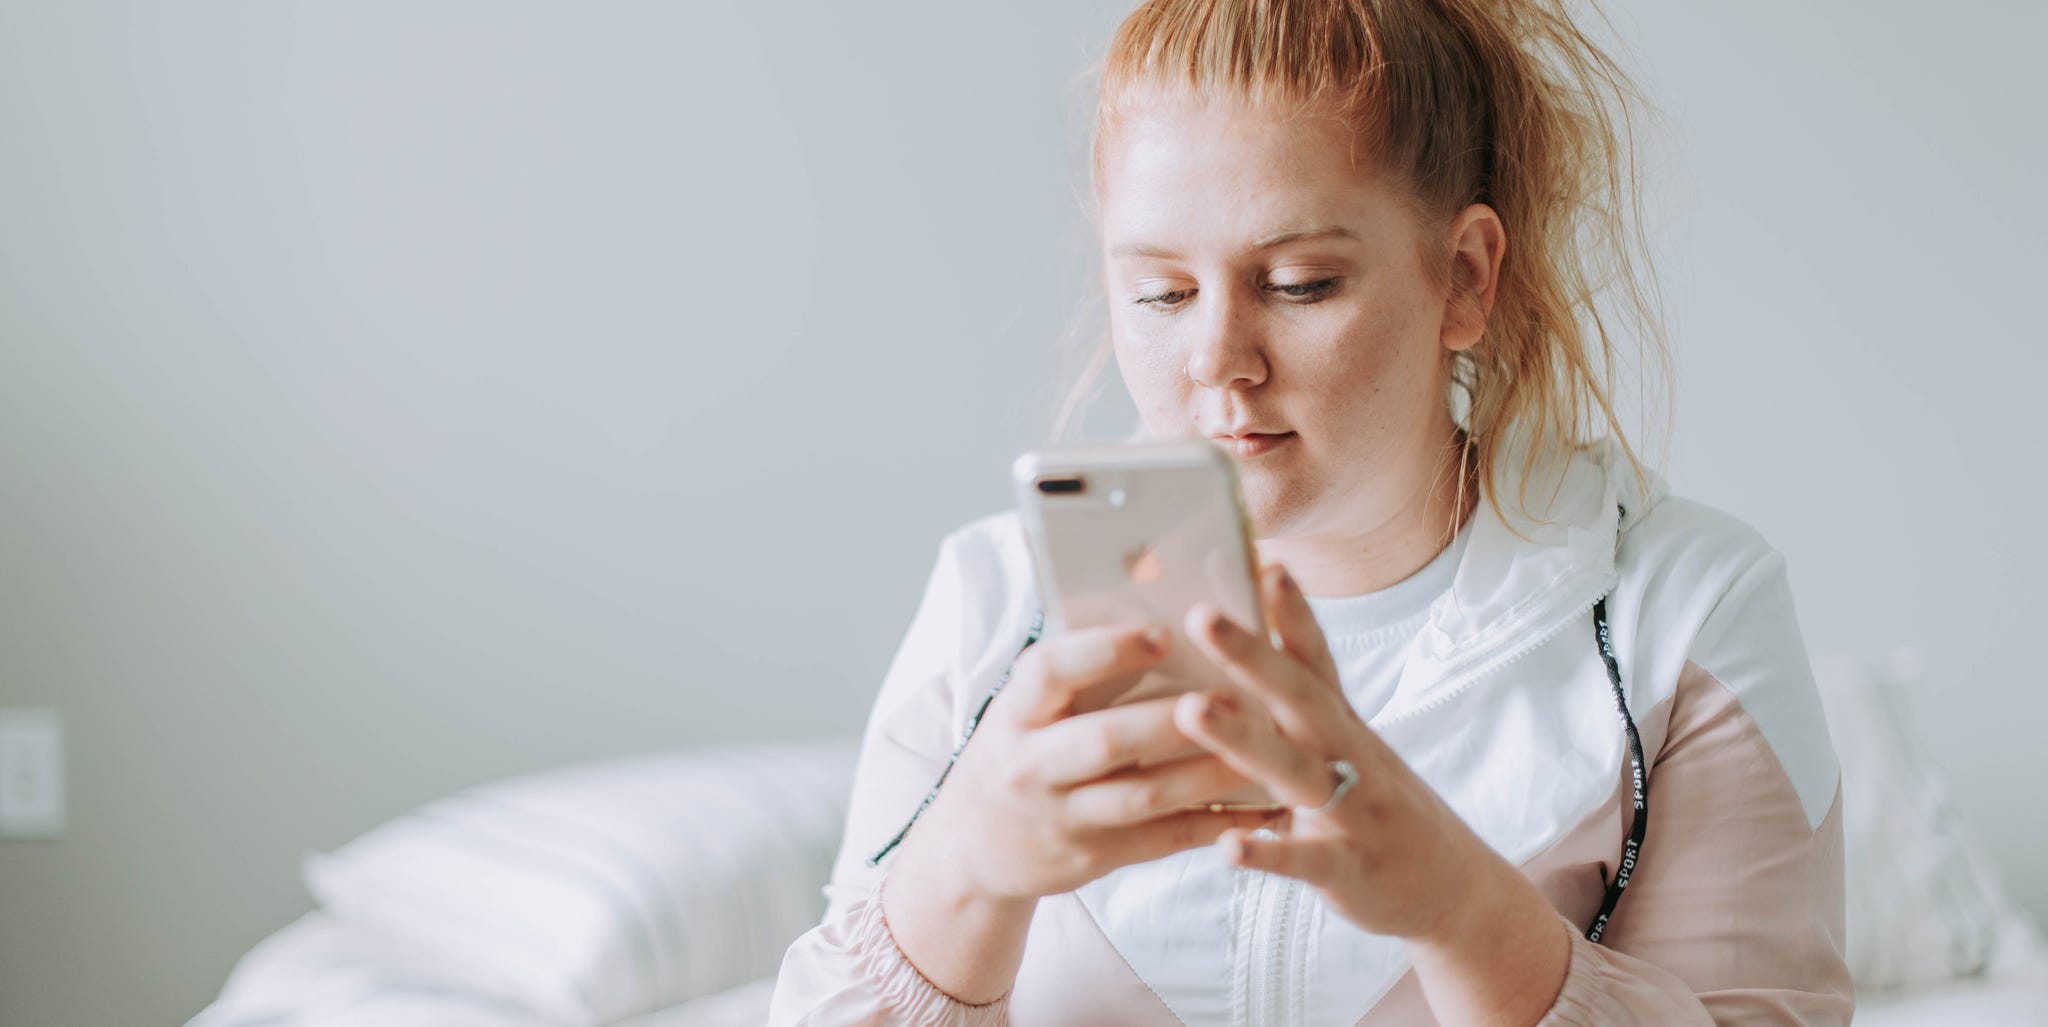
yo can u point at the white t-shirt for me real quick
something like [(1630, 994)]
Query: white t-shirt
[(1369, 634)]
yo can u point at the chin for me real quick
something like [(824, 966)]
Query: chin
[(1268, 513), (1277, 502)]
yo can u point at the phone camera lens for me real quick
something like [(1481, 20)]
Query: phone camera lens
[(1058, 485)]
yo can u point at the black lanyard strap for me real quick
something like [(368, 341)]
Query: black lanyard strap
[(1639, 778), (1037, 626), (1632, 849)]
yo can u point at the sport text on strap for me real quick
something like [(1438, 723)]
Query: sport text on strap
[(1633, 848)]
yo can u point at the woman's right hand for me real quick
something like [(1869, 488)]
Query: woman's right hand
[(1042, 800)]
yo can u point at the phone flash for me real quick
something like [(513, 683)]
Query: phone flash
[(1116, 497)]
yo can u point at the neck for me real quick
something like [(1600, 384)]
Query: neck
[(1388, 547)]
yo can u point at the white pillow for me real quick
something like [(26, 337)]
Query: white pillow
[(594, 893), (744, 1006), (1924, 905)]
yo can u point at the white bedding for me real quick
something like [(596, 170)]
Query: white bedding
[(578, 896), (599, 892), (744, 1006), (314, 973)]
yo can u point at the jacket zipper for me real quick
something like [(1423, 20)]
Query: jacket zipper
[(1275, 909)]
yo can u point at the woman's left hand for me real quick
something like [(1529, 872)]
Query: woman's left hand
[(1390, 856)]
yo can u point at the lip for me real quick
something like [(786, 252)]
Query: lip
[(1252, 444)]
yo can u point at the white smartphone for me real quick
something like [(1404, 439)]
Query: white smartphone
[(1140, 532)]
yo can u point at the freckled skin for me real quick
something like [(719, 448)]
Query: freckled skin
[(1361, 496)]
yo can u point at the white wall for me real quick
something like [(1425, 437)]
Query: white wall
[(1855, 258), (394, 396)]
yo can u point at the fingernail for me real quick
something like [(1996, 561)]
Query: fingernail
[(1155, 638), (1235, 846), (1216, 705)]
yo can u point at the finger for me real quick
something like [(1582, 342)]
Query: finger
[(1072, 662), (1090, 745), (1294, 624), (1137, 795), (1290, 692), (1317, 861), (1178, 832), (1247, 739)]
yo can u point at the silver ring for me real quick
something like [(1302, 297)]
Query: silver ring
[(1347, 775)]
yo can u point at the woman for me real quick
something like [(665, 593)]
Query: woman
[(1353, 241)]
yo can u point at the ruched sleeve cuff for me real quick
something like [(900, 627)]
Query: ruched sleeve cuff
[(903, 989), (1581, 1000), (1607, 987)]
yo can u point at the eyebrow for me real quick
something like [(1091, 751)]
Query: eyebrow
[(1289, 235)]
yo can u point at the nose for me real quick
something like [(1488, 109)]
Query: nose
[(1226, 347)]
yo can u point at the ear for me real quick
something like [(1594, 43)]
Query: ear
[(1478, 241)]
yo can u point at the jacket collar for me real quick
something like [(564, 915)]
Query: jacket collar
[(1538, 562)]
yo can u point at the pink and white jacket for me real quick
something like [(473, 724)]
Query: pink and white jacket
[(1735, 910)]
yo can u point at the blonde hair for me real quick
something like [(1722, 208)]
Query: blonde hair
[(1501, 102)]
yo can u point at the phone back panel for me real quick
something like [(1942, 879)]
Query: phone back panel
[(1156, 527)]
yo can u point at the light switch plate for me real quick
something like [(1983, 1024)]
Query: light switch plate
[(31, 773)]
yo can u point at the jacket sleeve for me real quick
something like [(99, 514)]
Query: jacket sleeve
[(847, 970), (1734, 914)]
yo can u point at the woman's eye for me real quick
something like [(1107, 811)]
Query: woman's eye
[(1309, 291), (1164, 299), (1306, 289)]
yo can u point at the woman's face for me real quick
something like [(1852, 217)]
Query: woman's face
[(1260, 283)]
